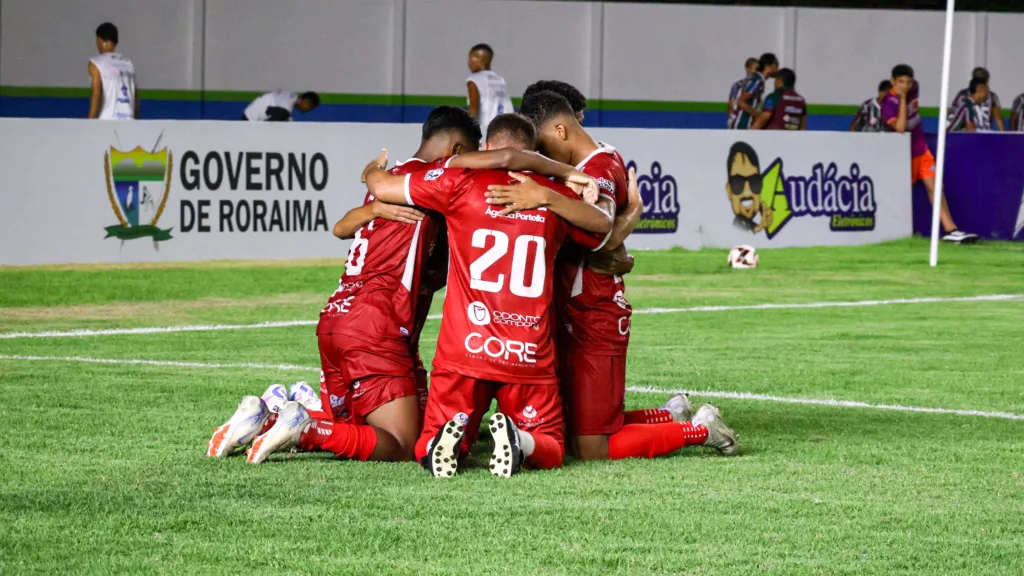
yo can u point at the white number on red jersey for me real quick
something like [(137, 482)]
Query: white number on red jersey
[(520, 254), (356, 254)]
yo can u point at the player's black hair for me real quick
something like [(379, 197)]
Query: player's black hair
[(544, 106), (514, 127), (445, 118), (981, 72), (767, 59), (743, 149), (884, 86), (312, 97), (900, 70), (485, 47), (107, 32), (750, 62), (787, 76), (576, 98), (975, 82)]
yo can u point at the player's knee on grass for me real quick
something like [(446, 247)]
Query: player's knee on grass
[(399, 420), (590, 447)]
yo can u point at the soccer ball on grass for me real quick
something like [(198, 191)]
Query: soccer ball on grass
[(743, 256)]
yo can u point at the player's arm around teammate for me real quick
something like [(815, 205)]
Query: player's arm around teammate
[(356, 218)]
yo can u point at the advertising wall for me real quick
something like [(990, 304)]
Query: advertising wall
[(76, 191)]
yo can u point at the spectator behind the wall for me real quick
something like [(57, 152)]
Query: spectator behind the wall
[(487, 93), (112, 77), (869, 116), (785, 108), (748, 104), (966, 116), (990, 112), (1016, 113), (277, 106), (749, 67)]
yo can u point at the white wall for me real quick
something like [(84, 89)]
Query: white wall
[(49, 42), (612, 50)]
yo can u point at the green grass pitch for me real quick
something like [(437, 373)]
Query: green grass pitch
[(102, 466)]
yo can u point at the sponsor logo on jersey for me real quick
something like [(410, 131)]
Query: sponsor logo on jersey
[(624, 324), (516, 216), (336, 401), (765, 201), (515, 319), (607, 185), (478, 314), (433, 174), (500, 349), (660, 195), (620, 299), (529, 412), (138, 185)]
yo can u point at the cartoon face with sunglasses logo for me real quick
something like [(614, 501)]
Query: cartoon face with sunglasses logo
[(744, 189)]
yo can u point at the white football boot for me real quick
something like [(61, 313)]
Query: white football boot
[(247, 421), (275, 396), (507, 457), (304, 394), (680, 408), (292, 420), (442, 458), (720, 436)]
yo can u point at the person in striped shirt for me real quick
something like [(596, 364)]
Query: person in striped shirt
[(1017, 114), (869, 116), (747, 105), (966, 116), (737, 88), (990, 113)]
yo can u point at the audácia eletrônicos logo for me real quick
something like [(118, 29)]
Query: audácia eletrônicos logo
[(660, 195), (138, 184), (766, 200)]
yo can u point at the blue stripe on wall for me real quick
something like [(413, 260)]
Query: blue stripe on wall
[(18, 107)]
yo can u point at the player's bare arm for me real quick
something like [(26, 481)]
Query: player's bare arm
[(520, 161), (96, 99), (743, 102), (900, 123), (356, 218), (474, 99), (617, 262), (762, 120), (530, 195), (626, 222), (803, 123)]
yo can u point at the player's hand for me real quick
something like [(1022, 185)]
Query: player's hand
[(633, 190), (378, 163), (583, 185), (526, 195), (402, 214), (615, 263)]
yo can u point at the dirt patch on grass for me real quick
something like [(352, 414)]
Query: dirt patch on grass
[(150, 309)]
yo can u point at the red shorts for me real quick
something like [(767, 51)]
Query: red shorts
[(356, 378), (534, 408), (922, 166), (594, 388)]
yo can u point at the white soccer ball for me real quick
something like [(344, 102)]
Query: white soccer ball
[(743, 256)]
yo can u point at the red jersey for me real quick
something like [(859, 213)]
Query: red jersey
[(496, 323), (592, 307), (379, 294)]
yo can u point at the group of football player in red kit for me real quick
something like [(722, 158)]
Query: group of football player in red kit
[(534, 315)]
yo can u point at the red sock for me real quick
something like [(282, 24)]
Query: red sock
[(547, 453), (651, 440), (344, 440), (649, 416), (269, 423)]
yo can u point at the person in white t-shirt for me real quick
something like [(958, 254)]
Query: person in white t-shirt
[(114, 93), (277, 106), (487, 93)]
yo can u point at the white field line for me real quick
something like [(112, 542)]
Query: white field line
[(636, 389), (290, 323)]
